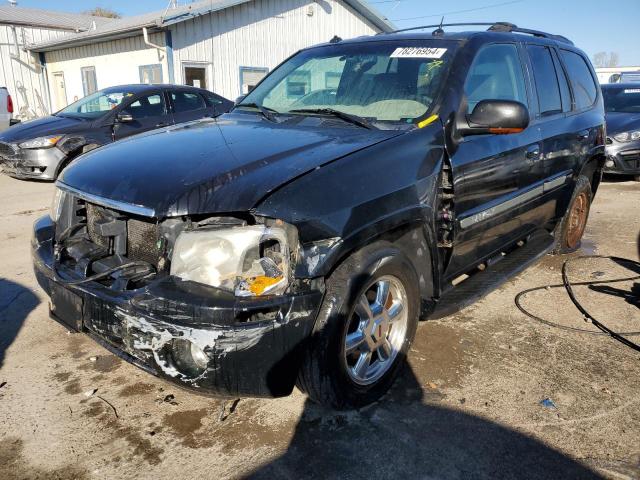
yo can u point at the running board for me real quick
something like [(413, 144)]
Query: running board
[(484, 282)]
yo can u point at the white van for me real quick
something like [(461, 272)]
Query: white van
[(6, 109)]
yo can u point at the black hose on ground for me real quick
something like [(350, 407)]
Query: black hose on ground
[(568, 286)]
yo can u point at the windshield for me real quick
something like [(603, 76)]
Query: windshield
[(382, 82), (95, 105), (626, 100)]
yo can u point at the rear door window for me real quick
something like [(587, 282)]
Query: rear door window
[(496, 74), (546, 80), (187, 101), (585, 90)]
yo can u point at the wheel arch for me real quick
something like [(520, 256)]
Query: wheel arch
[(413, 238)]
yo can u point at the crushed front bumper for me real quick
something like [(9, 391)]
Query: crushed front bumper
[(252, 345), (41, 164)]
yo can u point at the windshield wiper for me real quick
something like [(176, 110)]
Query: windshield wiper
[(266, 112), (347, 117)]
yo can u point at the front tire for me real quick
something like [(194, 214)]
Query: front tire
[(571, 228), (363, 332)]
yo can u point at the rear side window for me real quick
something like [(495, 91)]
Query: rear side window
[(585, 90), (187, 102), (564, 84), (546, 80), (496, 74)]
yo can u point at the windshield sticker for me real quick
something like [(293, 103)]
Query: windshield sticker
[(418, 52), (632, 90)]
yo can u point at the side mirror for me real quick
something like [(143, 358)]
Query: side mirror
[(496, 116), (240, 98), (124, 118)]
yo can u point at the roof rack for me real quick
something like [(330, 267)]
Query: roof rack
[(493, 27)]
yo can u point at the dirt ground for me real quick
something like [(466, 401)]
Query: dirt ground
[(468, 406)]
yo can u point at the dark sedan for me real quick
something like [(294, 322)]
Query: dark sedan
[(622, 106), (42, 148)]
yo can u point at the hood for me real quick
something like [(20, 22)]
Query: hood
[(214, 166), (618, 122), (41, 127)]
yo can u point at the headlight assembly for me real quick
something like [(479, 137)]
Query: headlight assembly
[(246, 260), (57, 204), (41, 142), (627, 136)]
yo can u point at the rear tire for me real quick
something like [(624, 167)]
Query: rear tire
[(356, 352), (571, 228)]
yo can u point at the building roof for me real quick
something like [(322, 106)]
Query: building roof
[(35, 17), (128, 26)]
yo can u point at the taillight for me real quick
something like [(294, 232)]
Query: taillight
[(9, 104)]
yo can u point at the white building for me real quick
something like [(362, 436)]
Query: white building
[(20, 70), (226, 46)]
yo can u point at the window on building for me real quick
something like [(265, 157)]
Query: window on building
[(149, 106), (332, 80), (151, 74), (187, 101), (299, 84), (496, 74), (250, 77), (89, 81), (585, 90), (546, 80), (196, 76)]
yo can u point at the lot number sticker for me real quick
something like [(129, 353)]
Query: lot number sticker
[(418, 52), (632, 90)]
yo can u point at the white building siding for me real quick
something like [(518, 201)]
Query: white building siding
[(24, 78), (116, 62), (259, 34)]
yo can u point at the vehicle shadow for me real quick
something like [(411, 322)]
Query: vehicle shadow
[(408, 435), (16, 302)]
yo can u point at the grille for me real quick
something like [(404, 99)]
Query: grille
[(632, 159), (142, 235), (142, 241), (96, 214)]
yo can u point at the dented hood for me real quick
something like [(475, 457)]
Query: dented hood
[(214, 166)]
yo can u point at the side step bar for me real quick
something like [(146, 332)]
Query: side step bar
[(484, 282)]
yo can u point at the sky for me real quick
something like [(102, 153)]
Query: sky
[(592, 25)]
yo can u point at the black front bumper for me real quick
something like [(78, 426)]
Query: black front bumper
[(253, 344)]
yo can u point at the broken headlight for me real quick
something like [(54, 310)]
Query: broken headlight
[(246, 260)]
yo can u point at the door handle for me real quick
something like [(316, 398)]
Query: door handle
[(161, 124), (583, 135), (533, 152)]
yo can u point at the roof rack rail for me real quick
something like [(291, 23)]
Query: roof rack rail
[(493, 27), (510, 27), (440, 25)]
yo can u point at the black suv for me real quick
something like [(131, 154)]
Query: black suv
[(40, 149), (622, 108), (299, 238)]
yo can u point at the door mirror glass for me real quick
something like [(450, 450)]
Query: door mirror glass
[(498, 117)]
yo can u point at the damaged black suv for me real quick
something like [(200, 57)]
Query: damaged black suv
[(361, 186)]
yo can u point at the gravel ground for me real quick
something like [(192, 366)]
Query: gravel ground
[(467, 406)]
